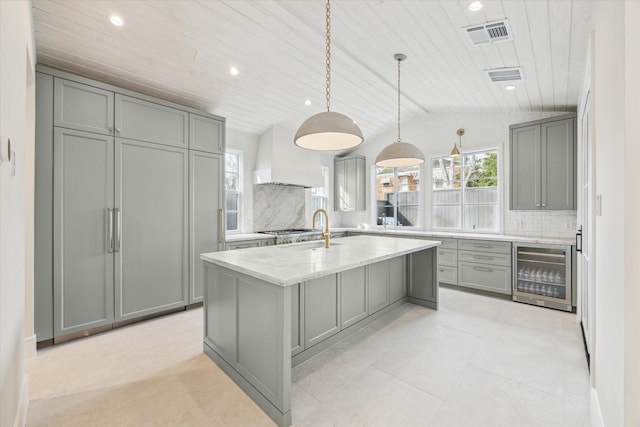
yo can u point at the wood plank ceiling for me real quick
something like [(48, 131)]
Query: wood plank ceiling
[(182, 51)]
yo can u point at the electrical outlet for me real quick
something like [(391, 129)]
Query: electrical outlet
[(567, 225)]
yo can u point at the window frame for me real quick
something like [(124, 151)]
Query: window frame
[(396, 190), (499, 197), (322, 194), (239, 191)]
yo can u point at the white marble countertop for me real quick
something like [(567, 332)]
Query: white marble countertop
[(238, 237), (286, 265), (454, 235)]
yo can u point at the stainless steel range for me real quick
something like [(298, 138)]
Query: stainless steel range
[(295, 235)]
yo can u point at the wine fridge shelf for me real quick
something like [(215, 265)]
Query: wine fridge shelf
[(541, 282)]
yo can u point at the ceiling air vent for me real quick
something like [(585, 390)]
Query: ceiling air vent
[(488, 33), (505, 74)]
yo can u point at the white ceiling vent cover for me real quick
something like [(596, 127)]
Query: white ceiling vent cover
[(505, 74), (489, 32)]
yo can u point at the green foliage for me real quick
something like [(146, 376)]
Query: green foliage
[(482, 172)]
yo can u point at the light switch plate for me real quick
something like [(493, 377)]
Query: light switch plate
[(599, 204)]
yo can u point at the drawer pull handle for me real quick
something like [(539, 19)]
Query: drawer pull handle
[(488, 270), (441, 270), (477, 245), (483, 257)]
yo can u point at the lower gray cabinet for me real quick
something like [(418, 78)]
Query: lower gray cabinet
[(353, 292), (152, 197), (242, 244), (83, 267), (423, 275), (378, 286), (397, 278), (297, 319), (485, 265), (322, 309)]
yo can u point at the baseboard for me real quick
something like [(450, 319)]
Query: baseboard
[(23, 404), (30, 347), (596, 413)]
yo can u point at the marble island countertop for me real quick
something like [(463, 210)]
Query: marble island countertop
[(286, 265)]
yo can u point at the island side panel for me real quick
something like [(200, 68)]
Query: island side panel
[(423, 283), (220, 330)]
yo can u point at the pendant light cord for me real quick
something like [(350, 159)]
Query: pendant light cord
[(328, 55), (399, 60)]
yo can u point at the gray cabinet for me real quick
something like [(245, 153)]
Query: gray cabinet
[(397, 278), (151, 122), (152, 199), (542, 166), (83, 267), (448, 261), (485, 265), (206, 134), (353, 293), (83, 107), (322, 309), (297, 319), (378, 286), (242, 244), (205, 201), (349, 192), (423, 284)]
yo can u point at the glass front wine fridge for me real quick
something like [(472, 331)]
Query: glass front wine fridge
[(542, 275)]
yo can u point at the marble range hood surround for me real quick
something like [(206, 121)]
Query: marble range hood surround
[(279, 161), (279, 207)]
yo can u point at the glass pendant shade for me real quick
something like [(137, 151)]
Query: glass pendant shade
[(399, 154), (328, 131)]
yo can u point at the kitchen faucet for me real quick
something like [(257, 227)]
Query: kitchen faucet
[(325, 233)]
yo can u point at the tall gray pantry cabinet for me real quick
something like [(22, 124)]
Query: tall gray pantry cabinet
[(129, 192)]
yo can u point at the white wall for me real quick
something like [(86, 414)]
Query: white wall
[(435, 135), (615, 91), (17, 53)]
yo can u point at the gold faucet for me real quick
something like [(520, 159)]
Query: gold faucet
[(325, 233)]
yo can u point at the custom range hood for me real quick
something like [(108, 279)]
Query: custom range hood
[(278, 161)]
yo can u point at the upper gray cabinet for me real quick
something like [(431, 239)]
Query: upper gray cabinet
[(206, 134), (83, 107), (543, 157), (150, 122), (349, 183)]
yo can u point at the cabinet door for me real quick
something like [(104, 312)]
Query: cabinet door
[(206, 134), (558, 165), (353, 293), (397, 278), (151, 195), (378, 286), (361, 185), (322, 311), (150, 122), (525, 168), (350, 184), (422, 280), (205, 204), (82, 266), (83, 107)]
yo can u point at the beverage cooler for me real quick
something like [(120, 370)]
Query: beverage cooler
[(543, 275)]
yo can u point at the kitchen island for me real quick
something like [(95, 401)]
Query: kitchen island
[(270, 308)]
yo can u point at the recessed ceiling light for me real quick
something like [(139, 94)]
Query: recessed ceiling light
[(307, 102), (233, 71), (510, 87), (475, 6), (116, 20)]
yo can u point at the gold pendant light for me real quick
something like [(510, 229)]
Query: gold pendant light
[(399, 154), (328, 130), (455, 152)]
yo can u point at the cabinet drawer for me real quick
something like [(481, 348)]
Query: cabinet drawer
[(447, 256), (485, 246), (487, 278), (485, 258), (448, 274), (242, 244), (446, 243)]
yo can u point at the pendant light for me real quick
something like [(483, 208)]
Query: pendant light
[(455, 152), (328, 130), (399, 154)]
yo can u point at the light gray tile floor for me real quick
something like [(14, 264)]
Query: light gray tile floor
[(477, 361)]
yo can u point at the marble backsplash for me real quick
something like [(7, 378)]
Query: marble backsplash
[(278, 207)]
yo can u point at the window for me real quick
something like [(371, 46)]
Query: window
[(465, 192), (233, 187), (397, 196), (320, 197)]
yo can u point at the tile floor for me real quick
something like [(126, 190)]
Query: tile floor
[(478, 361)]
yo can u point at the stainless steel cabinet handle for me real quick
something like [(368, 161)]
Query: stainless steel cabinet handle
[(110, 129), (538, 204), (544, 204), (220, 226), (483, 257), (110, 230), (483, 269), (482, 246), (118, 130), (118, 231), (441, 270)]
